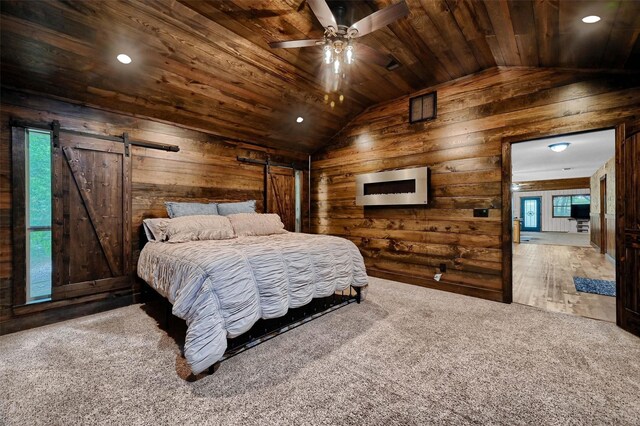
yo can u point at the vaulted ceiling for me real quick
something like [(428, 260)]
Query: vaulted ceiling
[(207, 64)]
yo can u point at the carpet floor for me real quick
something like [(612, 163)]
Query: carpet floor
[(407, 355)]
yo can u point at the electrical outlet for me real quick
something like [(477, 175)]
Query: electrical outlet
[(437, 277), (443, 267)]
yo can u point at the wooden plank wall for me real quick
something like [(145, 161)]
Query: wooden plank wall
[(462, 146), (206, 168), (553, 184)]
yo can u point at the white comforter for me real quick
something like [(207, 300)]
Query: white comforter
[(222, 287)]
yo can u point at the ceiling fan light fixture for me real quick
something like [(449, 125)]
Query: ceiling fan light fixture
[(559, 147), (349, 54), (328, 53), (338, 37)]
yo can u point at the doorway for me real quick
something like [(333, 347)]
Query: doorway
[(603, 219), (531, 214), (557, 200)]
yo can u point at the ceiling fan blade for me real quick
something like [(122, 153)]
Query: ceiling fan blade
[(364, 53), (295, 43), (320, 8), (381, 18)]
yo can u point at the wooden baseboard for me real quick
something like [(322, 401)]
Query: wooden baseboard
[(62, 313), (483, 293)]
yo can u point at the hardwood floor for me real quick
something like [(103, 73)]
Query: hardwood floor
[(543, 277), (556, 238)]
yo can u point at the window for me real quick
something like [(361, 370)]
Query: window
[(422, 108), (38, 215), (562, 203)]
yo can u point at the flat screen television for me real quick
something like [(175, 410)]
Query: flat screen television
[(580, 211)]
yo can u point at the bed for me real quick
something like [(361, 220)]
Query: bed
[(222, 287)]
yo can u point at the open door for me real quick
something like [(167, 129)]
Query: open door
[(628, 229), (603, 214)]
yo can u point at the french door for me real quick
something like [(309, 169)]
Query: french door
[(530, 213)]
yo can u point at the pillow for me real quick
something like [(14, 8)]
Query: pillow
[(175, 209), (225, 209), (154, 229), (249, 224), (200, 227)]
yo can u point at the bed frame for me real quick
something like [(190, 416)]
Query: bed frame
[(264, 330)]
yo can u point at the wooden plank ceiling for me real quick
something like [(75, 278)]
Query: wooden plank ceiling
[(206, 64)]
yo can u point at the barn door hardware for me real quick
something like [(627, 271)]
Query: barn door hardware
[(127, 143), (55, 128), (268, 163)]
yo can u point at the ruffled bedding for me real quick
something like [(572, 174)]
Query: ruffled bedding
[(222, 287)]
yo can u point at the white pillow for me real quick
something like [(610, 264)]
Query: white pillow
[(252, 224), (194, 228), (155, 229)]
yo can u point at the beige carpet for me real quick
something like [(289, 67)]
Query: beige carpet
[(407, 355)]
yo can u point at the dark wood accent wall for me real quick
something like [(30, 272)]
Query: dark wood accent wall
[(206, 168), (477, 115), (554, 184)]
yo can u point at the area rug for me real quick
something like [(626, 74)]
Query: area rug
[(590, 285)]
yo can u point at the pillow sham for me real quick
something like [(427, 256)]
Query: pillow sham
[(225, 209), (176, 209), (154, 228), (199, 227), (254, 224)]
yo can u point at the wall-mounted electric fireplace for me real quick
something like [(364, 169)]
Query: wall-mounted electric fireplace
[(396, 187)]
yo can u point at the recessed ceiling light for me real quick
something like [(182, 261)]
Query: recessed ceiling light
[(591, 19), (299, 120), (125, 59), (559, 147)]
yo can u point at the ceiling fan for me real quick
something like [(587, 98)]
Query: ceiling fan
[(338, 47)]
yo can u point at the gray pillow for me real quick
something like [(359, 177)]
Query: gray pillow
[(226, 209), (175, 209)]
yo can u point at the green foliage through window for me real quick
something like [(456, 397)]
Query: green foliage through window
[(562, 203), (39, 208)]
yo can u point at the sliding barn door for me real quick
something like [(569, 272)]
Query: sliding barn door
[(281, 195), (91, 216), (628, 183)]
